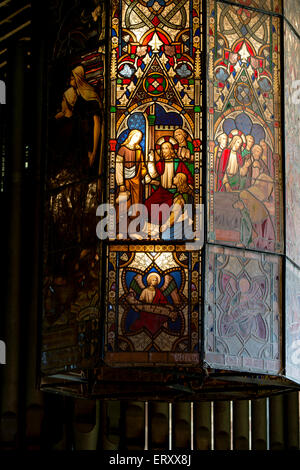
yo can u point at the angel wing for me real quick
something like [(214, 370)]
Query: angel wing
[(137, 284), (170, 288)]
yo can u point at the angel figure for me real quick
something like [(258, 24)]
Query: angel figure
[(244, 309), (150, 306)]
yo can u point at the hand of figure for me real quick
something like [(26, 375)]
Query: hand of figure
[(151, 156), (147, 179), (131, 298)]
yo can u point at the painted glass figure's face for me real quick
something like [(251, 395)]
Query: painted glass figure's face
[(250, 141), (136, 138), (179, 136), (223, 141), (153, 281), (237, 144), (166, 150)]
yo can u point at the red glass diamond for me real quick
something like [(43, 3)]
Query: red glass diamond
[(155, 21)]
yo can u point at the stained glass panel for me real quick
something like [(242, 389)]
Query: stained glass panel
[(293, 322), (152, 305), (242, 310), (292, 142), (292, 13), (155, 105), (75, 91), (268, 5), (71, 329), (244, 141), (71, 216), (71, 314)]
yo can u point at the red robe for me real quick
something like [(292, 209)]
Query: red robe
[(151, 321), (164, 196), (223, 165), (181, 168)]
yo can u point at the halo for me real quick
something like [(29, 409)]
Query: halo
[(239, 133), (155, 275), (163, 139)]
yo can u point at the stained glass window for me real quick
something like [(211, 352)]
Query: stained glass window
[(243, 310), (268, 5), (130, 108), (293, 321), (155, 140), (152, 304), (292, 142), (292, 13), (72, 254), (292, 167), (244, 170), (155, 124)]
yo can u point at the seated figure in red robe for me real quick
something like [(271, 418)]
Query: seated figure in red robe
[(161, 175)]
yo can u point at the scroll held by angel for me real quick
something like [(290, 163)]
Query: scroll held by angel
[(151, 304)]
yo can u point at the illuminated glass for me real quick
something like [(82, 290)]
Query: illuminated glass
[(152, 304), (71, 314), (292, 13), (267, 5), (292, 142), (243, 311), (292, 321), (155, 124), (155, 143), (113, 308), (244, 140)]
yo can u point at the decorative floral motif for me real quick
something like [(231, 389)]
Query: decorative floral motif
[(243, 308)]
